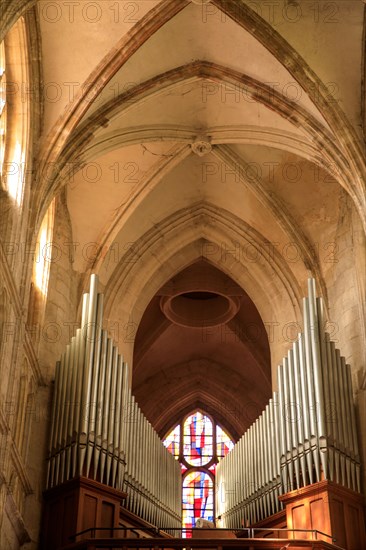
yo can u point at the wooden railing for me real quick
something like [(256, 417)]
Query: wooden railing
[(247, 539)]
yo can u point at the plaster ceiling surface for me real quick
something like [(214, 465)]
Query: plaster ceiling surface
[(182, 189), (289, 177), (194, 36), (200, 111), (126, 197), (327, 35), (108, 182), (76, 36), (265, 174)]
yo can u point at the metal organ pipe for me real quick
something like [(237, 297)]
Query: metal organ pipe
[(98, 430), (306, 433)]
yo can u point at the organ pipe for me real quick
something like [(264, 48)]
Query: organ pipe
[(98, 430), (306, 433)]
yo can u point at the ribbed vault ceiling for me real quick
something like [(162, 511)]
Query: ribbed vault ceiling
[(139, 90)]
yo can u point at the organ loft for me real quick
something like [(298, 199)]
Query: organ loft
[(182, 291)]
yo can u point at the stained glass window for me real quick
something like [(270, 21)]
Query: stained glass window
[(198, 439), (223, 442), (197, 498), (199, 444), (171, 442)]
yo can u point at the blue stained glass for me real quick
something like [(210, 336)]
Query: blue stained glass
[(198, 450)]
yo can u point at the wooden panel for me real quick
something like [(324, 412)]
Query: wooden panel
[(54, 526), (353, 528), (300, 520), (89, 513), (338, 524), (69, 518), (107, 517), (77, 505), (320, 518)]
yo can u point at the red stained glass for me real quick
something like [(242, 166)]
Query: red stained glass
[(197, 498), (198, 437)]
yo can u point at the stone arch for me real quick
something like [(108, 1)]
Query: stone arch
[(246, 17), (80, 139), (131, 287)]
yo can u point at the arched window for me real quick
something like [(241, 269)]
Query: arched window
[(16, 147), (199, 443), (41, 270), (14, 109), (2, 105), (41, 273)]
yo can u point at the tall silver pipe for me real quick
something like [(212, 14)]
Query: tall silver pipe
[(241, 479), (245, 467), (69, 429), (308, 371), (313, 404), (111, 412), (52, 446), (348, 407), (106, 409), (276, 474), (298, 384), (340, 443), (235, 468), (141, 476), (290, 458), (266, 480), (74, 417), (135, 468), (67, 435), (257, 469), (117, 424), (79, 383), (267, 476), (276, 424), (354, 431), (100, 401), (344, 420), (320, 373), (345, 425), (64, 416), (269, 449), (148, 471), (89, 337), (293, 412), (123, 431), (324, 365), (294, 416), (282, 427), (93, 398), (333, 414), (313, 326), (59, 418), (305, 407)]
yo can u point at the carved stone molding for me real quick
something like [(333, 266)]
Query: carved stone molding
[(201, 146)]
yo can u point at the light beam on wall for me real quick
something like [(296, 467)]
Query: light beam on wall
[(14, 177), (44, 252)]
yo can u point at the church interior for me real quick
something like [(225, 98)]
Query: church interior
[(183, 274)]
